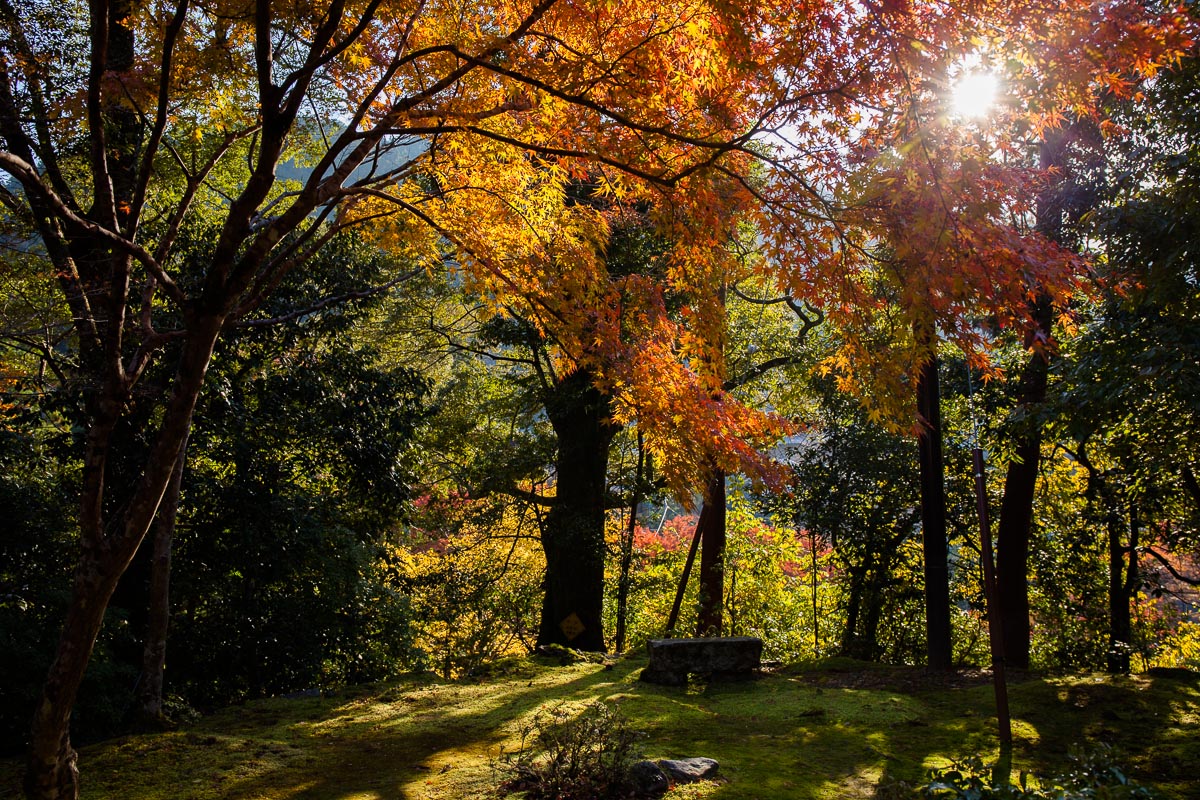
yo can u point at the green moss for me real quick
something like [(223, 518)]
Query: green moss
[(799, 734)]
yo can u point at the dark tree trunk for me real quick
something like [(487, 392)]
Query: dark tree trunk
[(681, 589), (573, 530), (154, 649), (1012, 553), (868, 633), (933, 516), (626, 559), (1122, 584), (1015, 525), (1122, 580), (104, 556), (1020, 481), (852, 644), (712, 560), (995, 622)]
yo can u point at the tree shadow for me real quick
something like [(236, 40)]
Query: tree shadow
[(784, 736)]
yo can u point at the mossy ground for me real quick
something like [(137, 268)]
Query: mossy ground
[(797, 734)]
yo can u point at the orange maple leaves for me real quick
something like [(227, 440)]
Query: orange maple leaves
[(808, 127)]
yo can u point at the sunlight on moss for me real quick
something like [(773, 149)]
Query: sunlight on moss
[(778, 738)]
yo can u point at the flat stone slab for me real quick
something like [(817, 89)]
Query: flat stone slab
[(725, 657)]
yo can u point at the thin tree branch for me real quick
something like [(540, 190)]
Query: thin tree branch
[(141, 188), (32, 182), (1174, 572), (327, 302)]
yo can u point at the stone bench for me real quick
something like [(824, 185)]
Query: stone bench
[(727, 657)]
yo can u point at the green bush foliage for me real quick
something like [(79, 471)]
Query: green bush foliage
[(1094, 775), (571, 755)]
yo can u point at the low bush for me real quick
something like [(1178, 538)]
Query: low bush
[(566, 755), (1094, 775)]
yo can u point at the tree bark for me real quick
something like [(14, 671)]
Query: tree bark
[(1020, 481), (154, 649), (995, 622), (1015, 525), (939, 653), (52, 772), (852, 645), (681, 589), (1122, 584), (709, 620), (626, 558), (573, 530)]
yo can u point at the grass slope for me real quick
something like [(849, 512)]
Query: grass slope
[(825, 733)]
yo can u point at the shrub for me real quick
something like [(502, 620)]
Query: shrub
[(568, 756), (1093, 776)]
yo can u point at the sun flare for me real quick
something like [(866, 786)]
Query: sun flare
[(974, 94)]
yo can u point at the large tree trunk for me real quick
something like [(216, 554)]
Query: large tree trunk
[(1020, 481), (933, 517), (712, 560), (154, 648), (573, 530), (1016, 509), (1013, 540), (104, 557)]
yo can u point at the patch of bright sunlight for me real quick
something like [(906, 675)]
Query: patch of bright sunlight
[(973, 94), (1025, 731)]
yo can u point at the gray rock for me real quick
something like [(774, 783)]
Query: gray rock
[(688, 770), (648, 778)]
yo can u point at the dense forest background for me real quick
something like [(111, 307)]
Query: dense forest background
[(390, 469)]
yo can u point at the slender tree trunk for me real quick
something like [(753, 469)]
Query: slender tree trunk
[(573, 531), (816, 608), (995, 621), (52, 772), (154, 649), (709, 620), (1122, 584), (851, 638), (1122, 581), (677, 605), (626, 558), (939, 652)]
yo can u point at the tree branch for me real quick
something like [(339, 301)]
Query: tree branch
[(32, 182), (1174, 572), (160, 118), (328, 302)]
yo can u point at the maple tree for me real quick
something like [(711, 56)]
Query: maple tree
[(453, 128), (437, 111), (971, 238)]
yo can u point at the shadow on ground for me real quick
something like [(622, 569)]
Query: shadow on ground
[(795, 736)]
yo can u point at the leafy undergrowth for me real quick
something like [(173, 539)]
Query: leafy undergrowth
[(824, 733)]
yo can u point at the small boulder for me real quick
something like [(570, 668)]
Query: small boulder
[(688, 770), (648, 779)]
